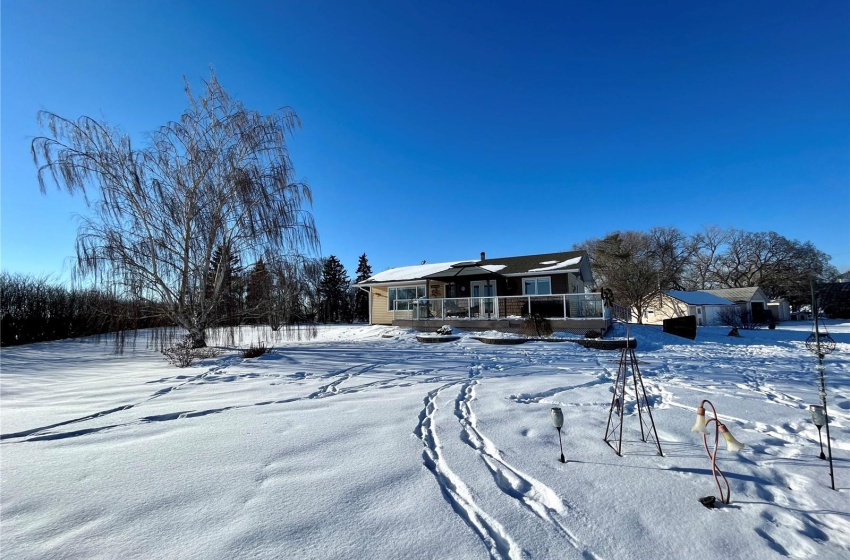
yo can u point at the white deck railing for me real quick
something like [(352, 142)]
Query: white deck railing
[(559, 306)]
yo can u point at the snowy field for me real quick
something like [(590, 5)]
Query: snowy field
[(357, 445)]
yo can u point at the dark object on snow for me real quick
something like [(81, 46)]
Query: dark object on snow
[(499, 340), (605, 344), (708, 501), (733, 332), (436, 338), (592, 334), (686, 326)]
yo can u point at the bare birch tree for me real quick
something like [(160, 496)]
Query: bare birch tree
[(220, 176)]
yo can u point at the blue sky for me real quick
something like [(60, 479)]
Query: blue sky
[(436, 130)]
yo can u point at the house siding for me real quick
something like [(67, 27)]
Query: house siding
[(437, 289), (575, 281), (669, 308), (559, 284), (780, 309), (666, 308), (380, 314)]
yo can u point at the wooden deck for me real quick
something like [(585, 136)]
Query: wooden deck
[(573, 326)]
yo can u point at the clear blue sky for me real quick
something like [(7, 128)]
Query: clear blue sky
[(436, 130)]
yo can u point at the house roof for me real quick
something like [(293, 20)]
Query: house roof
[(409, 272), (568, 261), (698, 298), (738, 294), (467, 269)]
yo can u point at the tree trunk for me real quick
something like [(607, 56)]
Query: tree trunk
[(198, 337)]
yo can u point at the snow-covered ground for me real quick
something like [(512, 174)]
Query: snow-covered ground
[(356, 445)]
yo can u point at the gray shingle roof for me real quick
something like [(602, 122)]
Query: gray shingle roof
[(525, 264), (698, 298), (734, 294)]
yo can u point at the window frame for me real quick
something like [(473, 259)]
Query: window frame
[(536, 280), (392, 295)]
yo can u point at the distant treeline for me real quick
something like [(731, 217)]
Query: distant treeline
[(33, 309)]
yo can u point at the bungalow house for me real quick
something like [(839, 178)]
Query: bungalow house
[(752, 301), (676, 303), (492, 293)]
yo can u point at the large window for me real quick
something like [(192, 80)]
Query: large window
[(405, 293), (541, 286)]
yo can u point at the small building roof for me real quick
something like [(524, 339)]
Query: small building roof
[(738, 294), (698, 298)]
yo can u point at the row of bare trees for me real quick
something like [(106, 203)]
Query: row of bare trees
[(34, 309), (637, 265), (278, 294)]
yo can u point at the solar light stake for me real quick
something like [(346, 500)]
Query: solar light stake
[(558, 422), (732, 445), (818, 419)]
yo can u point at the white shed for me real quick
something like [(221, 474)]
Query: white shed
[(780, 309), (676, 303), (751, 300)]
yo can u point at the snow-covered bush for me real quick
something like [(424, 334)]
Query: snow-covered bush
[(183, 355), (256, 351)]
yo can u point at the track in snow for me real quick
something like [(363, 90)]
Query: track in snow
[(498, 542), (532, 494)]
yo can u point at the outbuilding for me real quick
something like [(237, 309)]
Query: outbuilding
[(707, 308)]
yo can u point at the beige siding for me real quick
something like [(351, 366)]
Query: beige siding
[(667, 308), (380, 314)]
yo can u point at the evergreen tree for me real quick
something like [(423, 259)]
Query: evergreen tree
[(361, 298), (333, 292), (224, 278), (258, 294), (311, 298), (290, 292)]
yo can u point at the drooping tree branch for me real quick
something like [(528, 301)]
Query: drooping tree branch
[(220, 176)]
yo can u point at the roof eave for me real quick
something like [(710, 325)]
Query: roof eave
[(541, 273)]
